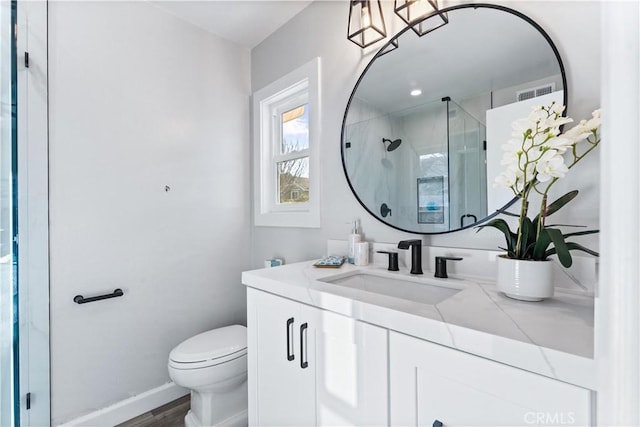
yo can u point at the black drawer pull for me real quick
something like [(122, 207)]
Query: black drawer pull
[(437, 423), (290, 355), (303, 346)]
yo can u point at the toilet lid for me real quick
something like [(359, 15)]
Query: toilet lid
[(215, 344)]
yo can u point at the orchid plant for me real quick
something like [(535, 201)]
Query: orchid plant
[(535, 158)]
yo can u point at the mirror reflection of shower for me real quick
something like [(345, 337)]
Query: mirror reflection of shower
[(467, 165), (385, 210), (386, 163), (392, 144), (430, 170)]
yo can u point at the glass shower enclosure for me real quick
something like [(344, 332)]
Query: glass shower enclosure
[(426, 165), (9, 402), (467, 167)]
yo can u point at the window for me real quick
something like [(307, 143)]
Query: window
[(292, 156), (286, 145)]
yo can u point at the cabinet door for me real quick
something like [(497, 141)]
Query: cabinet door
[(281, 366), (351, 371), (432, 385)]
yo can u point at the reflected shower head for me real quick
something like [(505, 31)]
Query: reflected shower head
[(392, 144)]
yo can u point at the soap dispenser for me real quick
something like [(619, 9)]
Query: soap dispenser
[(354, 238)]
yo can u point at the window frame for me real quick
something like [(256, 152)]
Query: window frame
[(299, 87)]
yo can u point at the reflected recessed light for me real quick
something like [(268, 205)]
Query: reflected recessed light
[(416, 92)]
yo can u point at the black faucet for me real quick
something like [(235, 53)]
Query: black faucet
[(441, 265), (416, 254)]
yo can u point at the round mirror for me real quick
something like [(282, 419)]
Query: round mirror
[(423, 129)]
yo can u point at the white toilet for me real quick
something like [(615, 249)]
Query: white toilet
[(213, 365)]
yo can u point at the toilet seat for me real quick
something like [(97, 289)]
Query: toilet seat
[(210, 348)]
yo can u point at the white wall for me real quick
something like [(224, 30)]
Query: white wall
[(320, 30), (617, 319), (140, 100)]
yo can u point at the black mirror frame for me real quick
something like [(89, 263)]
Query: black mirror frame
[(391, 45)]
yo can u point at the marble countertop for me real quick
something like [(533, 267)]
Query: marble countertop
[(553, 338)]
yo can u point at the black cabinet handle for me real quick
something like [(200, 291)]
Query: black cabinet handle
[(437, 423), (303, 346), (290, 355)]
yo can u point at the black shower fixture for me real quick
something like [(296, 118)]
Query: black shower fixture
[(392, 144), (384, 210)]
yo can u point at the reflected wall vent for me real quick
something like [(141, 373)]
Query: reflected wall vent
[(521, 95)]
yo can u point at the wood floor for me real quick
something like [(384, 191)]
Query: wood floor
[(169, 415)]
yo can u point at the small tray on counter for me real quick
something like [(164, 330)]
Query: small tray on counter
[(331, 261)]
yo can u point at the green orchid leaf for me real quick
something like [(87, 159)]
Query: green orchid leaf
[(581, 233), (540, 248), (578, 247), (529, 249), (507, 213), (511, 254), (556, 205), (575, 247), (565, 225), (562, 250), (535, 222), (532, 233), (501, 224), (528, 236)]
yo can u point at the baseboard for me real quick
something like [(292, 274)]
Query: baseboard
[(240, 419), (130, 408)]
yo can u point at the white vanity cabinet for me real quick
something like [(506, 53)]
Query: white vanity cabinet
[(281, 379), (309, 366), (432, 385)]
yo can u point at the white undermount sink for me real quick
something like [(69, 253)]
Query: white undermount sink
[(422, 290)]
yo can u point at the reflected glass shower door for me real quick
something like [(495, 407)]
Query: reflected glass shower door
[(467, 167), (9, 409)]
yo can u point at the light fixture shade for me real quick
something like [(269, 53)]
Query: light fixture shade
[(423, 16), (389, 47), (366, 23)]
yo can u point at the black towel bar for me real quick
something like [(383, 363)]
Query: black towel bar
[(82, 300)]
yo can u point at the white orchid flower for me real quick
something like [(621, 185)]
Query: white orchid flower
[(531, 156), (560, 143), (559, 121), (537, 115), (535, 151), (578, 133), (506, 179), (511, 151), (594, 123), (557, 109), (551, 125), (551, 165), (522, 127), (509, 160), (585, 128)]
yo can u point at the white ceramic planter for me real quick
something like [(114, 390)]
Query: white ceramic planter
[(525, 280)]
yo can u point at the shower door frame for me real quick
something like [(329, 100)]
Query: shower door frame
[(33, 213)]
